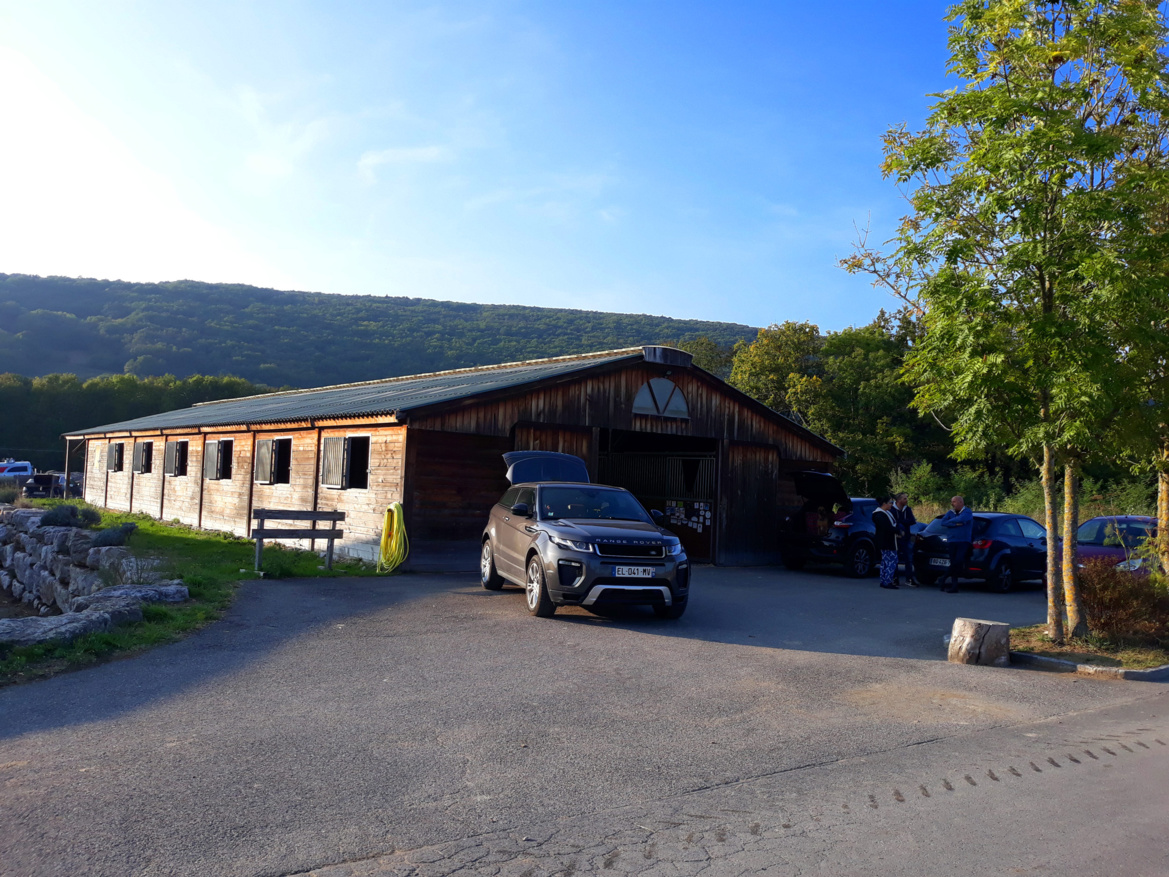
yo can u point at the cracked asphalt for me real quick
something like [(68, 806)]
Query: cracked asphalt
[(790, 723)]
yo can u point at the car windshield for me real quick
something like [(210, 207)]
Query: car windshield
[(589, 502)]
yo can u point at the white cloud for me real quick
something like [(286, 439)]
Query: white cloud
[(280, 145), (77, 202), (402, 155)]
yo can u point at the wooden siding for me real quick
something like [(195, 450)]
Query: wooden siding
[(225, 501), (748, 514), (226, 504), (605, 399), (453, 482), (365, 509)]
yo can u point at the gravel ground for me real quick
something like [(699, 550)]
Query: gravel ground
[(351, 720)]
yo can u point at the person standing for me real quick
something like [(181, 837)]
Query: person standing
[(960, 522), (903, 515), (886, 538)]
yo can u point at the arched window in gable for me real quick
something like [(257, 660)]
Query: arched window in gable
[(661, 398)]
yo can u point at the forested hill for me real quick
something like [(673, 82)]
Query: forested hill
[(92, 327)]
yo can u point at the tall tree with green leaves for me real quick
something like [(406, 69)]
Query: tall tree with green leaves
[(782, 352), (1028, 189)]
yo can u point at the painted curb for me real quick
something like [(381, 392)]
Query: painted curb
[(1153, 674)]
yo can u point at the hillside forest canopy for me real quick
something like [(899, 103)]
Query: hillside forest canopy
[(60, 325)]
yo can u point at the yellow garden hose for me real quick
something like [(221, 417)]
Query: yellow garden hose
[(395, 545)]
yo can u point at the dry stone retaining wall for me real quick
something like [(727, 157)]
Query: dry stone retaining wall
[(75, 588)]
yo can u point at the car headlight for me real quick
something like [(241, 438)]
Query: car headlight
[(1130, 565), (673, 548), (571, 543)]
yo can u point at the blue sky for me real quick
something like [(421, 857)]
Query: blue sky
[(705, 160)]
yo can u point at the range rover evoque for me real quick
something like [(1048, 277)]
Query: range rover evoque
[(568, 542)]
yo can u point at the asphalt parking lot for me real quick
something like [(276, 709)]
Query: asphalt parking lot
[(327, 721)]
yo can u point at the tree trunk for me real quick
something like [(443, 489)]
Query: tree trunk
[(1077, 622), (1054, 589), (1163, 506)]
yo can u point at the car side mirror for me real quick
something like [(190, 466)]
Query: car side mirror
[(520, 509), (657, 516)]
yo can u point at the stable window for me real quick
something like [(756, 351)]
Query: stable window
[(274, 461), (174, 461), (661, 398), (144, 458), (345, 462), (115, 456), (217, 459)]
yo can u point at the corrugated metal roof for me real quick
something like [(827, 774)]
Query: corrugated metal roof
[(371, 398)]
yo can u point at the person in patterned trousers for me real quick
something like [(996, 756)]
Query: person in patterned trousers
[(886, 538)]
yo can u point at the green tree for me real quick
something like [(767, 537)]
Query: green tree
[(781, 354), (1028, 189)]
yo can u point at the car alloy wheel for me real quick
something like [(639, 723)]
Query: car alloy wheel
[(861, 561), (487, 575), (1003, 579), (539, 603)]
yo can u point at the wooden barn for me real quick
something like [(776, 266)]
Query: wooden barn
[(647, 419)]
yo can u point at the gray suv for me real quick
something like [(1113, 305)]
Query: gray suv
[(571, 543)]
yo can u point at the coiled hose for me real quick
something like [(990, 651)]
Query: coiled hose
[(395, 545)]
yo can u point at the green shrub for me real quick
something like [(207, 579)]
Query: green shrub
[(118, 535), (8, 494), (1121, 605)]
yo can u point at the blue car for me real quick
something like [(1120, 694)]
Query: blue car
[(1006, 550)]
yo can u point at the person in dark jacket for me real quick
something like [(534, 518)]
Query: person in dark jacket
[(960, 522), (903, 515), (886, 538)]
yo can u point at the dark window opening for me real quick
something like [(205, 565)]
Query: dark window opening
[(282, 461), (345, 462), (144, 457), (175, 458), (217, 459), (357, 461), (115, 456)]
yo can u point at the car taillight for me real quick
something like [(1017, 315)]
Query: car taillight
[(981, 543)]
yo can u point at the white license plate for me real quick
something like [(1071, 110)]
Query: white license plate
[(939, 561), (634, 572)]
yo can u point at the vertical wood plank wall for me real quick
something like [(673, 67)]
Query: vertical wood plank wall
[(225, 501)]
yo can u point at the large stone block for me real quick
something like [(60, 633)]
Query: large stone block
[(22, 566), (980, 642), (55, 628), (27, 543), (6, 580), (6, 534), (17, 588), (46, 585), (6, 554), (121, 610), (46, 554), (24, 520), (106, 558), (80, 542), (61, 597), (60, 568), (163, 592), (83, 581), (58, 537)]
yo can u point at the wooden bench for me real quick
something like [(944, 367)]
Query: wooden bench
[(261, 532)]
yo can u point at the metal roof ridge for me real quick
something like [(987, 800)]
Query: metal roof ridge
[(454, 371)]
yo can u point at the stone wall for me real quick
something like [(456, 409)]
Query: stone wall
[(74, 587)]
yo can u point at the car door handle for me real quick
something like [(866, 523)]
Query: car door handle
[(506, 518), (530, 529)]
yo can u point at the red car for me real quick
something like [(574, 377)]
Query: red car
[(1115, 538)]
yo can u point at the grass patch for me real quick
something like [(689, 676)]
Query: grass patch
[(1130, 654), (210, 564)]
